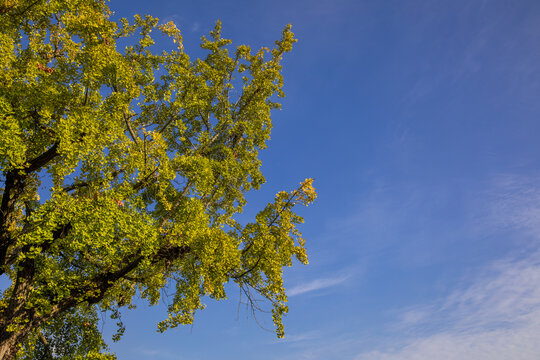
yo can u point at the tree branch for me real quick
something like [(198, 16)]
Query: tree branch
[(274, 219), (126, 120), (248, 270), (13, 188), (42, 160)]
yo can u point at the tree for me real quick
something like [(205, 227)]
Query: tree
[(142, 161)]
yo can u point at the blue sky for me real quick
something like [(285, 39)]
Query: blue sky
[(419, 121)]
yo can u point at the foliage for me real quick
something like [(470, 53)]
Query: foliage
[(142, 160), (73, 335)]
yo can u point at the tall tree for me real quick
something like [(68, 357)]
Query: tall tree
[(142, 161)]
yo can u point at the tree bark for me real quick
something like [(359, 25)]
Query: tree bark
[(9, 342)]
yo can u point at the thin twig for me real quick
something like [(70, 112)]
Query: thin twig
[(126, 119)]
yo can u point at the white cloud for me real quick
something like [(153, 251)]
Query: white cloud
[(492, 313), (495, 312), (503, 344), (497, 316), (317, 284)]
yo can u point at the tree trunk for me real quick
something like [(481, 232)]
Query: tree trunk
[(9, 342)]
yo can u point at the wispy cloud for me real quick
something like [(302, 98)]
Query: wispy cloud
[(515, 204), (496, 316), (493, 312), (317, 284)]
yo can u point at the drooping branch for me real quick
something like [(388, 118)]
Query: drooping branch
[(96, 289), (90, 291)]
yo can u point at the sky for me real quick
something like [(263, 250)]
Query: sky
[(418, 120)]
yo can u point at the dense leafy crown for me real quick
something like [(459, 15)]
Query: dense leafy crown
[(142, 160)]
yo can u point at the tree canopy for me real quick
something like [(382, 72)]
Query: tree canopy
[(123, 170)]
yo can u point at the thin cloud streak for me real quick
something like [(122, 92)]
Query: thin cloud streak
[(317, 284)]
